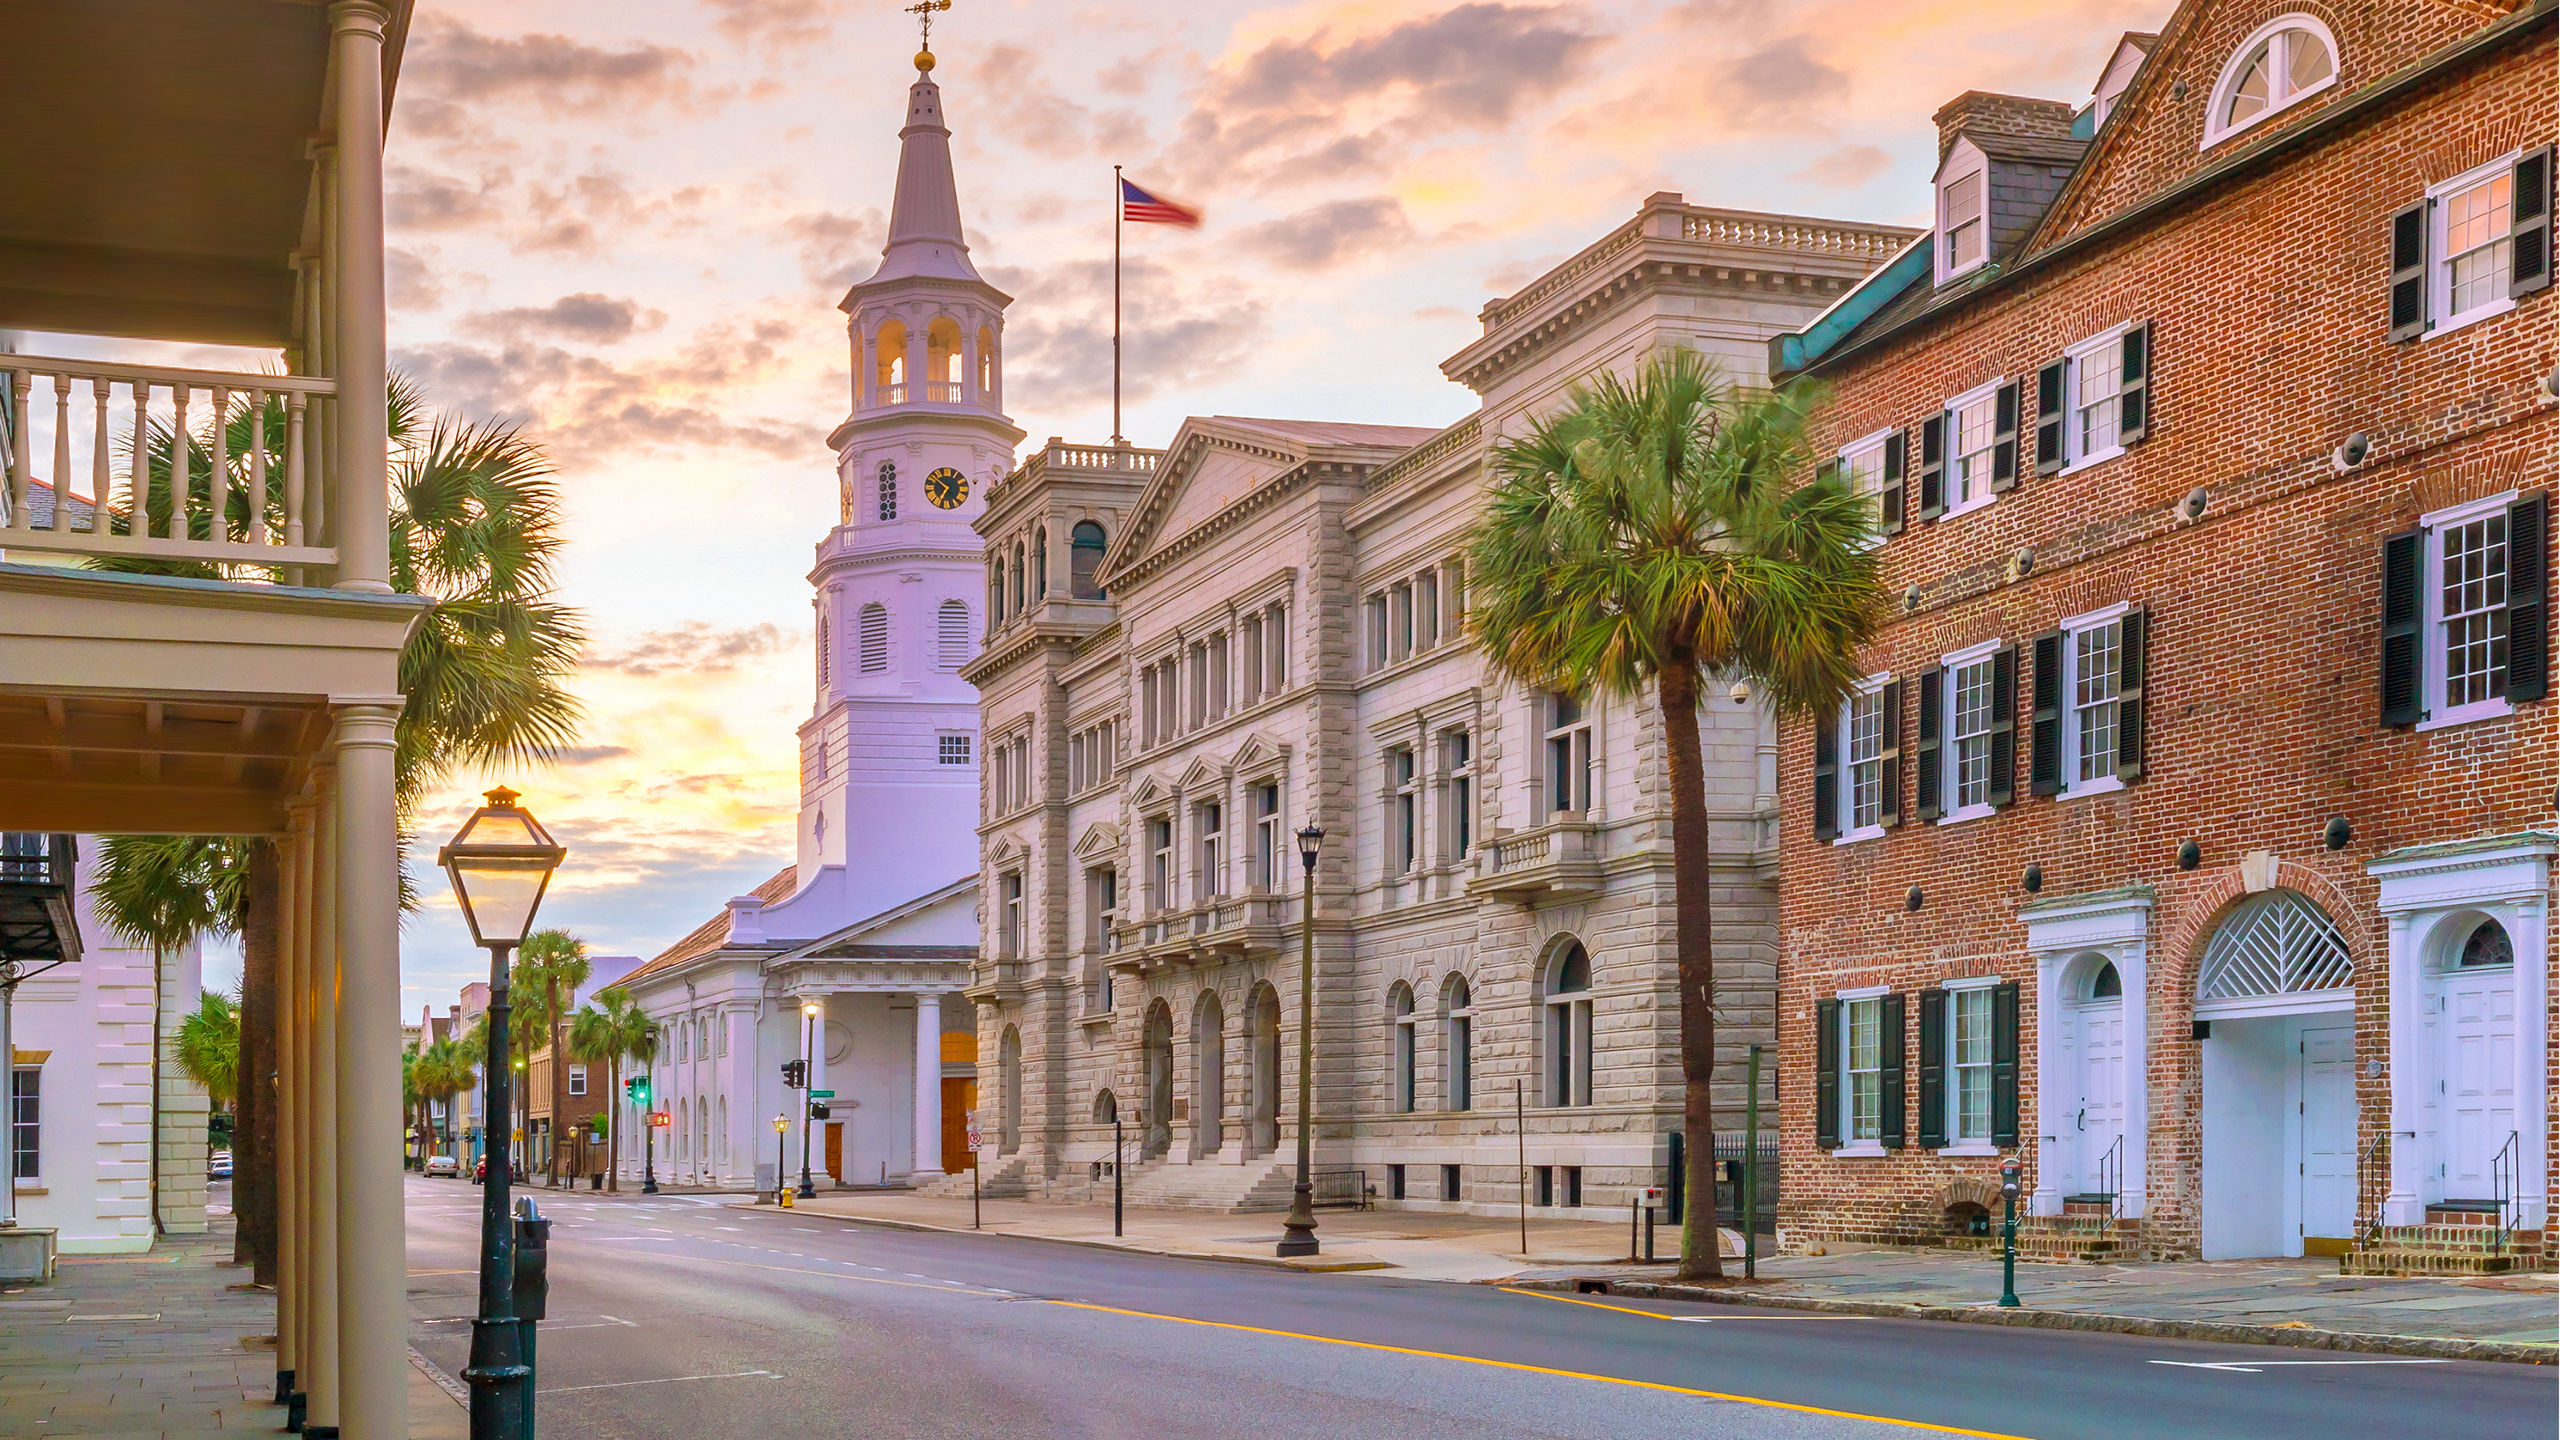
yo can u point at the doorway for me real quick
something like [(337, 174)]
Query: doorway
[(2279, 1135), (959, 1097), (1156, 1058), (835, 1151), (1264, 1137), (2094, 1062), (1209, 1078), (2474, 1045)]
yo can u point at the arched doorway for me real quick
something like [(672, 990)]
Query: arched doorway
[(1009, 1080), (2472, 1127), (1262, 1135), (2090, 1151), (1155, 1054), (1209, 1075), (2276, 1001)]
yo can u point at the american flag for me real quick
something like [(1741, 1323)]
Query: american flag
[(1138, 205)]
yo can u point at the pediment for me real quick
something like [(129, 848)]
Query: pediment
[(1258, 750), (1201, 775), (1151, 790), (1101, 841), (1005, 851), (1208, 467)]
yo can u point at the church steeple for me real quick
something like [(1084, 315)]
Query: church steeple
[(924, 219)]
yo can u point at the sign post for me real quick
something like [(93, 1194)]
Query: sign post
[(977, 1142)]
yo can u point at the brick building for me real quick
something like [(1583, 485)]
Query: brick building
[(2191, 843)]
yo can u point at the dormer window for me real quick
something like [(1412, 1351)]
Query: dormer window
[(1960, 213), (2288, 60)]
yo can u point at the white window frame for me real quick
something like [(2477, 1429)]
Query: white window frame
[(1851, 1148), (1978, 166), (1948, 811), (1458, 768), (2076, 458), (951, 747), (2431, 667), (2280, 97), (1578, 739), (1160, 877), (578, 1081), (2074, 788), (1270, 836), (1989, 391), (1403, 778), (1209, 823), (1957, 1143), (1849, 456), (1851, 834), (2440, 261)]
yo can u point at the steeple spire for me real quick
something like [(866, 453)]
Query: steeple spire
[(924, 220)]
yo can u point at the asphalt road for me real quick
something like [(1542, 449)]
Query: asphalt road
[(676, 1317)]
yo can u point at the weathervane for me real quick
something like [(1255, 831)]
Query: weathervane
[(923, 11)]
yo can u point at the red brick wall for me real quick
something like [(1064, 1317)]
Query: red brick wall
[(2267, 303)]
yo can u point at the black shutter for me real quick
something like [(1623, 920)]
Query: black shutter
[(2044, 733), (1933, 466), (1826, 776), (1925, 763), (2400, 628), (2529, 229), (1826, 1074), (2409, 272), (1933, 1069), (2133, 402), (2529, 596), (2004, 438), (2004, 1063), (2049, 412), (1889, 763), (1889, 495), (1890, 1127), (2132, 714), (2003, 786)]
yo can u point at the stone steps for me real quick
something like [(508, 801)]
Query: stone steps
[(1262, 1183), (2463, 1248)]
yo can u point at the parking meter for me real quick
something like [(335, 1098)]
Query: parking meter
[(533, 1261), (2009, 1181)]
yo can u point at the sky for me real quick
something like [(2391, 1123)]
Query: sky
[(625, 227)]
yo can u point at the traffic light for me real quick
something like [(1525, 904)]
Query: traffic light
[(795, 1074), (637, 1087), (817, 1109), (662, 1119)]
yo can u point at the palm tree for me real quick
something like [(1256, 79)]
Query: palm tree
[(1650, 535), (443, 1072), (556, 962), (606, 1032), (208, 1047)]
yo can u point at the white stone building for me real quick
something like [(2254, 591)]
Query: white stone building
[(1199, 650), (875, 923)]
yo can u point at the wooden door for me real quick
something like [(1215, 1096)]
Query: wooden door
[(959, 1097), (835, 1150)]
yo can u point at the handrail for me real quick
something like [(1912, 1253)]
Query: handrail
[(2111, 1175), (2505, 1177), (2376, 1156)]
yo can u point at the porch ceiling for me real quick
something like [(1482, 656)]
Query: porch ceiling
[(115, 765)]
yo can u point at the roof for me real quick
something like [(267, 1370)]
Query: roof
[(2031, 148), (711, 934), (1333, 432)]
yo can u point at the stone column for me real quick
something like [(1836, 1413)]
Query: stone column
[(293, 1140), (2404, 1041), (372, 1230), (928, 1165), (320, 1380), (361, 505)]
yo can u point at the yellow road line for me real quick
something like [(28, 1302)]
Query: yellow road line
[(1658, 1315), (832, 1275), (1544, 1370)]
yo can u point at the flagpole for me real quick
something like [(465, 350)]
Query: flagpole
[(1118, 207)]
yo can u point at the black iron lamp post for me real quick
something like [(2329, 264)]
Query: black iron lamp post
[(2009, 1188), (500, 864), (781, 1128), (1298, 1232), (808, 1053)]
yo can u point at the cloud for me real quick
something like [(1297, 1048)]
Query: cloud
[(693, 648), (451, 61), (1845, 168), (1782, 80), (577, 214), (587, 411), (1030, 112), (410, 284), (595, 319), (775, 23), (415, 199), (1181, 329), (1330, 234), (589, 754), (836, 249)]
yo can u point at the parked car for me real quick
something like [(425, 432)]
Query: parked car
[(444, 1165), (217, 1166)]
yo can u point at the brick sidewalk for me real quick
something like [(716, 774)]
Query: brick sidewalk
[(157, 1346)]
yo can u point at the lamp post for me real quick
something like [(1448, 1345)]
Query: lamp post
[(649, 1152), (1298, 1232), (781, 1128), (808, 1054), (2009, 1188), (500, 863)]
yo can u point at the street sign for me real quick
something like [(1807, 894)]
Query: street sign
[(822, 1094), (977, 1141)]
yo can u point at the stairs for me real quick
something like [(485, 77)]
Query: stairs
[(1007, 1179), (2463, 1248), (1262, 1183), (2090, 1239)]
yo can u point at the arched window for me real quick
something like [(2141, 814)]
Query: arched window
[(874, 638), (986, 365), (720, 1146), (2487, 945), (942, 360), (1084, 560), (2273, 943), (995, 596), (1458, 1021), (1400, 1045), (889, 364), (1568, 1005), (888, 489), (951, 634), (2106, 984), (1106, 1109), (1040, 562), (2285, 61), (1018, 568)]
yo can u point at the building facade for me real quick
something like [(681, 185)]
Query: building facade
[(2190, 844), (1196, 652), (873, 924)]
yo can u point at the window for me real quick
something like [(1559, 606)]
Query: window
[(1969, 734), (1404, 800), (1963, 223), (2487, 945), (1453, 591), (2470, 587), (1040, 562), (1084, 560), (1275, 649), (1270, 847), (1374, 613), (2095, 401), (1160, 863), (1210, 820), (1458, 1018), (1102, 902), (26, 1120), (1862, 467), (1218, 675), (1568, 1007), (1426, 609), (577, 1079), (1449, 1176), (1458, 765), (872, 634), (1862, 1058), (1395, 1182), (1199, 683), (1568, 756), (1862, 760), (1974, 423), (2286, 61), (2095, 656), (1969, 1064), (888, 489), (1400, 622), (949, 749), (1009, 893), (1400, 1042), (2466, 612), (951, 634), (1249, 683)]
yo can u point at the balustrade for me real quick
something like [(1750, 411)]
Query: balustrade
[(245, 486)]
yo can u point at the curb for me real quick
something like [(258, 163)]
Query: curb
[(2423, 1346), (1271, 1262)]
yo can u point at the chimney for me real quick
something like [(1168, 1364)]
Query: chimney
[(1984, 113)]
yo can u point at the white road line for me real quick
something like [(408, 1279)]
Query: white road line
[(2256, 1366), (664, 1380)]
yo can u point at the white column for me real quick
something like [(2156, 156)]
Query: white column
[(2531, 933), (2046, 1198), (2409, 1069), (2133, 967), (373, 1395), (928, 1164), (361, 505), (320, 1325)]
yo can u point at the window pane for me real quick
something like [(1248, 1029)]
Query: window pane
[(2096, 380), (2306, 61), (2096, 657), (2473, 606), (2249, 100), (1976, 429), (1971, 730), (2475, 234), (1865, 1052), (1866, 759)]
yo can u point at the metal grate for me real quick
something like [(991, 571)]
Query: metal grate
[(2277, 943)]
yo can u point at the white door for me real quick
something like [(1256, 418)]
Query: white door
[(2479, 1078), (2328, 1162), (2099, 1122)]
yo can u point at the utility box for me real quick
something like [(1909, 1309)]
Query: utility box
[(768, 1177), (26, 1255)]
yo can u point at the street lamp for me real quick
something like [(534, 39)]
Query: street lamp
[(1298, 1232), (781, 1127), (500, 863), (808, 1053)]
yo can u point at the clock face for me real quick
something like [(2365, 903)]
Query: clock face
[(946, 488)]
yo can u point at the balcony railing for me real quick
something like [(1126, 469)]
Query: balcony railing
[(942, 392), (247, 488), (32, 858), (895, 394), (1559, 857)]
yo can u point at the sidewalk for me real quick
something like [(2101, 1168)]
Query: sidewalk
[(156, 1346)]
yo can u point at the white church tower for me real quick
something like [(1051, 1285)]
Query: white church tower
[(889, 758)]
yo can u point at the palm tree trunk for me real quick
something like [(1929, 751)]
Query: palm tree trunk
[(253, 1145), (1692, 875), (613, 1128), (559, 1081)]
